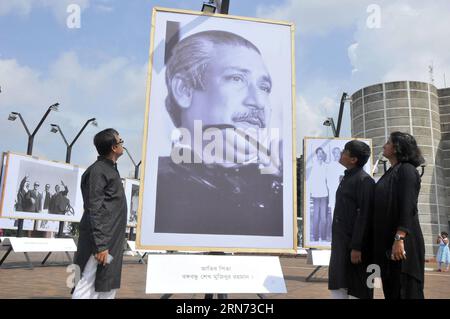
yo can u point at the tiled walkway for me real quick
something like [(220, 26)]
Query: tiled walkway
[(50, 281)]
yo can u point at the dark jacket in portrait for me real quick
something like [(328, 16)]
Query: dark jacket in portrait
[(351, 230), (23, 203), (211, 199), (104, 221), (47, 196), (36, 201), (59, 202), (396, 196)]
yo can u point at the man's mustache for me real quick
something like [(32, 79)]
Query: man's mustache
[(254, 117)]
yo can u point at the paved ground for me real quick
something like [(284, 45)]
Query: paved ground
[(49, 281)]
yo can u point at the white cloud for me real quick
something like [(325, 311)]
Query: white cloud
[(24, 7), (310, 118), (328, 104), (103, 8), (352, 49), (113, 92), (414, 34), (316, 17), (21, 7)]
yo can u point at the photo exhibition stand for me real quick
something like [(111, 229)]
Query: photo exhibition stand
[(26, 245)]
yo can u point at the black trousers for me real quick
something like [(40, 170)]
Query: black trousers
[(399, 285)]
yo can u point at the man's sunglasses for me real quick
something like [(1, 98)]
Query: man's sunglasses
[(120, 142)]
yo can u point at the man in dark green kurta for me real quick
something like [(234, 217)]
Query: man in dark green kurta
[(102, 227)]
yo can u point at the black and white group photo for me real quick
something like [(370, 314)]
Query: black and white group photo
[(40, 189)]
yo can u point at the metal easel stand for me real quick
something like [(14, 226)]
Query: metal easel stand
[(30, 264), (310, 260), (313, 273)]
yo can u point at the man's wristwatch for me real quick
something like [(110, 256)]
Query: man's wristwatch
[(398, 237)]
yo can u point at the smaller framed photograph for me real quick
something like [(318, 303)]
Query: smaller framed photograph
[(322, 175), (38, 189)]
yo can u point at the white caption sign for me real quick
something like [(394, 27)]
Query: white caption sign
[(23, 244), (214, 274), (321, 257)]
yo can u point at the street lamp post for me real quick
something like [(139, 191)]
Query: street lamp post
[(136, 166), (211, 6), (136, 176), (330, 122), (55, 129), (12, 117)]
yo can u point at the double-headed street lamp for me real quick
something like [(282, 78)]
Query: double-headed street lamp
[(55, 129), (12, 117)]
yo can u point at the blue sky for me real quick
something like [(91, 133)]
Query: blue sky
[(99, 69)]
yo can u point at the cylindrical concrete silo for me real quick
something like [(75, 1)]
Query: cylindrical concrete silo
[(410, 107)]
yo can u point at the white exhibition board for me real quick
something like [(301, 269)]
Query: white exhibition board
[(321, 257), (35, 245), (132, 245), (52, 226), (10, 223), (214, 274)]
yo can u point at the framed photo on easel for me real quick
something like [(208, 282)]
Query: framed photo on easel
[(39, 189)]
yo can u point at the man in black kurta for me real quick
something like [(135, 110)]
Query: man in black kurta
[(102, 227), (350, 247)]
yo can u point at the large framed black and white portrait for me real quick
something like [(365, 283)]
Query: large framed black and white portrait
[(218, 151), (322, 175), (39, 189)]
